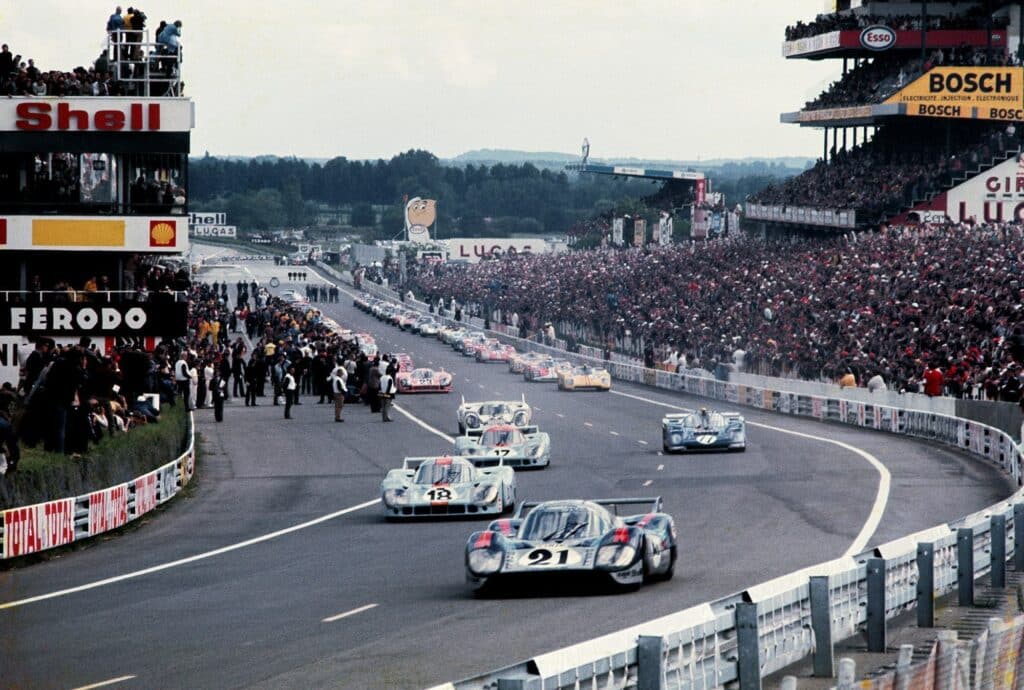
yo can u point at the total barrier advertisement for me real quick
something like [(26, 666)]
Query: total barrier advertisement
[(983, 93)]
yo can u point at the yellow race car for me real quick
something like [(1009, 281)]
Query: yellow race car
[(580, 377)]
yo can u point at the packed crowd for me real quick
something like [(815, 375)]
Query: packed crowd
[(20, 77), (891, 304), (825, 23), (888, 173), (878, 79)]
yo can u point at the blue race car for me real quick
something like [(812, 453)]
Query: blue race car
[(704, 430)]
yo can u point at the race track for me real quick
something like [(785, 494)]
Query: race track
[(254, 616)]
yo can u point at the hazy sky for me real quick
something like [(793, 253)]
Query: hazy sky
[(677, 79)]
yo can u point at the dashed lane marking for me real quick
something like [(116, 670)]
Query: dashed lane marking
[(648, 482), (661, 467), (588, 424), (642, 442), (416, 420), (560, 415), (331, 619), (105, 683), (884, 477), (614, 433)]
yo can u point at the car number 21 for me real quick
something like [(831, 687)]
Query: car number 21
[(554, 556)]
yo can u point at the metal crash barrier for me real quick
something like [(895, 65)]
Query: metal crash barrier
[(747, 636), (31, 529)]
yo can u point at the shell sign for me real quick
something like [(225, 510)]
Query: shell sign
[(162, 233)]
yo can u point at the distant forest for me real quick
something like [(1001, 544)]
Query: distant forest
[(270, 192)]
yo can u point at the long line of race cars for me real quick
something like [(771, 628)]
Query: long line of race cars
[(577, 538)]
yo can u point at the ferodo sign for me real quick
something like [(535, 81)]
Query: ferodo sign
[(130, 319), (477, 248), (984, 93)]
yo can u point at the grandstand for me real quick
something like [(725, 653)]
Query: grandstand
[(921, 116), (93, 200)]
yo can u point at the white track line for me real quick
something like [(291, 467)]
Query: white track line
[(648, 482), (884, 481), (191, 559), (331, 619), (642, 442), (421, 423), (661, 468), (614, 433), (588, 424), (105, 683)]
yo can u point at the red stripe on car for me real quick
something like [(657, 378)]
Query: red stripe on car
[(484, 540), (646, 518), (621, 535)]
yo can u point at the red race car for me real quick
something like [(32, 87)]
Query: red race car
[(424, 381), (495, 352)]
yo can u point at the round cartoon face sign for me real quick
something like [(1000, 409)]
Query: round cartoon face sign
[(420, 212)]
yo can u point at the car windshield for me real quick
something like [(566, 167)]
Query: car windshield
[(560, 522), (423, 374), (711, 420), (446, 471), (501, 437), (495, 410)]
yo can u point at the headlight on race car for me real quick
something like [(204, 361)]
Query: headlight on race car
[(472, 421), (486, 494), (485, 561), (677, 438), (404, 380), (615, 556), (520, 418), (396, 497)]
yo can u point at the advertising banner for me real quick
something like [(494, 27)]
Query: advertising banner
[(665, 230), (94, 233), (983, 93), (146, 493), (420, 214), (213, 231), (473, 249), (108, 509), (96, 114), (639, 232), (208, 218), (880, 37), (617, 228), (38, 527), (126, 319)]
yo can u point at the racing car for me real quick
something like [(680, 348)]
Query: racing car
[(476, 415), (470, 346), (546, 369), (436, 486), (467, 339), (704, 430), (584, 376), (424, 381), (518, 362), (577, 539), (493, 351), (404, 360), (519, 448), (449, 334)]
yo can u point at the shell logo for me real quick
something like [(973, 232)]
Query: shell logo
[(162, 233)]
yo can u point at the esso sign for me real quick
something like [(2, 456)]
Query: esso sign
[(878, 37)]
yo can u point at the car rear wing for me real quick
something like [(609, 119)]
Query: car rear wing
[(654, 504), (676, 415)]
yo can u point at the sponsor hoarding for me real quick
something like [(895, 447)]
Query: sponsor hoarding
[(38, 527), (853, 40), (877, 38), (420, 215), (984, 93), (617, 227), (94, 114), (213, 231), (208, 218), (94, 234), (156, 319), (473, 249), (108, 509), (639, 232)]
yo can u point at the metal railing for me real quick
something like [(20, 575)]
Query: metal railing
[(749, 635), (146, 67), (93, 296)]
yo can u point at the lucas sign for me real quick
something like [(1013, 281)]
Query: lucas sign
[(131, 319)]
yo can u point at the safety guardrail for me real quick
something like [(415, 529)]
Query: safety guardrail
[(30, 529), (747, 636)]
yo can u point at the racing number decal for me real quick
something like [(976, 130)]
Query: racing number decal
[(439, 494), (503, 452), (551, 556)]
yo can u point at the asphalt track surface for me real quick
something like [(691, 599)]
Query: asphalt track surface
[(356, 602)]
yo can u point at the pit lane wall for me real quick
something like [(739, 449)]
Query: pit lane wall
[(31, 529), (744, 637)]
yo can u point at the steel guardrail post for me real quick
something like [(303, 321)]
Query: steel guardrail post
[(650, 656), (965, 566), (1018, 537), (998, 551), (748, 647), (876, 604), (821, 625), (926, 585)]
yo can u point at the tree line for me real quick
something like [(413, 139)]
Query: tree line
[(479, 200)]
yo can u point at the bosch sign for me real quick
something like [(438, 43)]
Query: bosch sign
[(971, 82), (878, 37)]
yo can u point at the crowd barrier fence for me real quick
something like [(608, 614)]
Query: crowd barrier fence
[(31, 529)]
